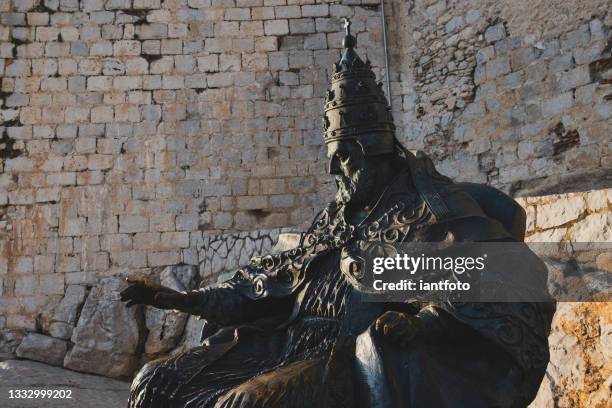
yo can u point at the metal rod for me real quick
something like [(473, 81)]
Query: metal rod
[(384, 30)]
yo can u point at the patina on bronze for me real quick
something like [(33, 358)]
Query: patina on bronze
[(290, 329)]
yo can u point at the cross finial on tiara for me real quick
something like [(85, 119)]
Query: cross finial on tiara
[(347, 25)]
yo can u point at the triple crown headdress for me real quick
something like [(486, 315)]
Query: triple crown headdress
[(355, 105)]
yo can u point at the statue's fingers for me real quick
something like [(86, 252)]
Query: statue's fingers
[(382, 321), (128, 292), (125, 294), (379, 325), (392, 324), (389, 329)]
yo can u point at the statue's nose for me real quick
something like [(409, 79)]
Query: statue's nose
[(334, 167)]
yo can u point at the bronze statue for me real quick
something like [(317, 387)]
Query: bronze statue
[(290, 329)]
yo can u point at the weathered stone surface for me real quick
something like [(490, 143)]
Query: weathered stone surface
[(604, 262), (495, 33), (65, 313), (42, 348), (88, 391), (593, 228), (107, 335), (549, 235), (559, 212), (579, 371), (192, 335), (571, 281), (599, 199), (166, 326), (9, 341), (165, 330)]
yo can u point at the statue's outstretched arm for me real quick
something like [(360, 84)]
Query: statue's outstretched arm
[(234, 301), (224, 304)]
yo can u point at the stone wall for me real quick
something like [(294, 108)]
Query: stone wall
[(140, 136), (580, 369), (223, 254), (91, 330), (133, 128), (498, 96)]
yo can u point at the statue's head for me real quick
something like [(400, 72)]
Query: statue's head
[(356, 174), (358, 126)]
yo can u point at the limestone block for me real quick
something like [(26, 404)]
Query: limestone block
[(42, 348), (152, 31), (192, 334), (107, 334), (315, 10), (549, 235), (101, 48), (51, 284), (9, 341), (287, 12), (262, 13), (163, 258), (65, 313), (603, 262), (593, 228), (302, 26), (209, 63), (237, 13), (175, 239), (495, 33), (574, 78), (126, 47), (166, 326), (560, 211), (497, 67), (165, 330), (23, 265), (276, 27), (577, 374), (171, 46)]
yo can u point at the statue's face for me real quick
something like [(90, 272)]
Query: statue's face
[(355, 173)]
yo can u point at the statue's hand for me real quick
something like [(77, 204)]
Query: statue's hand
[(398, 328), (140, 292), (145, 292)]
